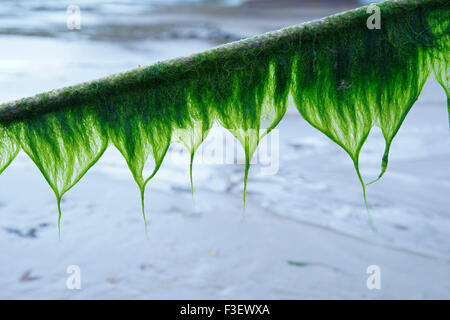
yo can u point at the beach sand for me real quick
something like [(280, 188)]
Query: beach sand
[(305, 232)]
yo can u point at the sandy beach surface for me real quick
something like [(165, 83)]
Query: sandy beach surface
[(305, 232)]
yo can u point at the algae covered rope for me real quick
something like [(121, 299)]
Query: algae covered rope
[(344, 79), (73, 95)]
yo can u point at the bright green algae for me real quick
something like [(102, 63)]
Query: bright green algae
[(441, 66), (63, 145), (343, 77), (8, 149)]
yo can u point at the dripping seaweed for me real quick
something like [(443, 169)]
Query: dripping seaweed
[(344, 79)]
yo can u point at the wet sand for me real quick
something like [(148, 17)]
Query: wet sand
[(305, 233)]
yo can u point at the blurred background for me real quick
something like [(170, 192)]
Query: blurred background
[(119, 35), (305, 233)]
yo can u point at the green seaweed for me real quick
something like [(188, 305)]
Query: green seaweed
[(441, 66), (345, 85), (63, 145), (8, 149), (343, 77), (138, 130)]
